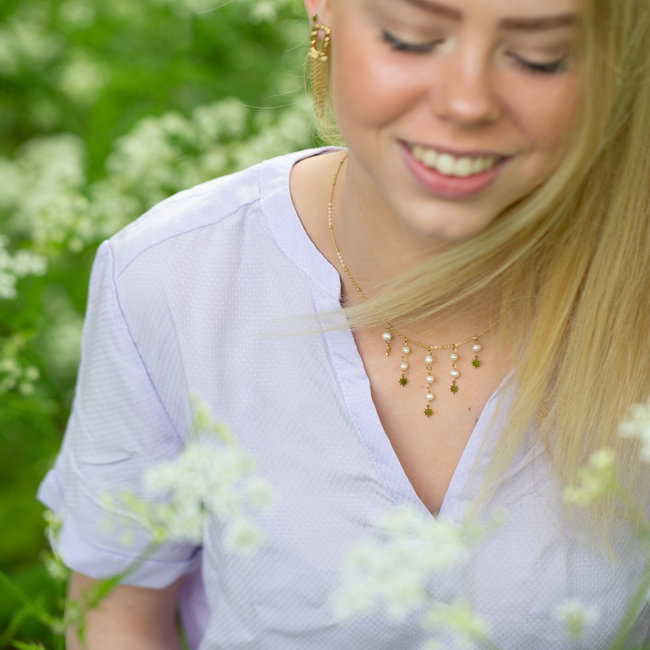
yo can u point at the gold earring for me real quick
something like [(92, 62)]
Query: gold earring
[(319, 65)]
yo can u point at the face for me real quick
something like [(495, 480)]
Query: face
[(452, 111)]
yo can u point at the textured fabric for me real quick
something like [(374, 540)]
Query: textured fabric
[(201, 295)]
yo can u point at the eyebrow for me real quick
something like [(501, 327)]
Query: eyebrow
[(523, 24)]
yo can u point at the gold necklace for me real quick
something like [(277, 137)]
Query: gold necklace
[(390, 331)]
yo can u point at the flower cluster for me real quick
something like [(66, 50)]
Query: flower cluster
[(460, 621), (577, 616), (163, 155), (597, 479), (637, 425), (396, 572), (17, 265), (26, 43), (42, 193), (211, 477), (55, 206)]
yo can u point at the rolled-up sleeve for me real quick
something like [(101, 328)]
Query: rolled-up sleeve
[(118, 427)]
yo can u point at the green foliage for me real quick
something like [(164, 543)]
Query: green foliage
[(107, 106)]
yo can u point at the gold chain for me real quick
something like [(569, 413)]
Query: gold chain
[(389, 330)]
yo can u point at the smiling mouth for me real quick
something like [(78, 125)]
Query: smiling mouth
[(449, 165)]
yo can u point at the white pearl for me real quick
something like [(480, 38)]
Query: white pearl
[(428, 359), (476, 347), (404, 366), (429, 379), (454, 373), (453, 356), (387, 336), (429, 396), (406, 349)]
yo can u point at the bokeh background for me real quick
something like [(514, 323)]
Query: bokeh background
[(106, 107)]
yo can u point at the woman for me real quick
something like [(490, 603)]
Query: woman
[(489, 226)]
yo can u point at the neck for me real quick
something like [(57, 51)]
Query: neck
[(377, 246)]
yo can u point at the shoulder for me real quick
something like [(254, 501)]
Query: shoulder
[(206, 210)]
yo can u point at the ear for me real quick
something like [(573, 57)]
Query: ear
[(321, 8)]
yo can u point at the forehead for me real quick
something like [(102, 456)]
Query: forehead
[(499, 12)]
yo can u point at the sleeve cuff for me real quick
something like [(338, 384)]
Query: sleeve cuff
[(81, 555)]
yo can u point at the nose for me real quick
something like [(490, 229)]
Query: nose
[(463, 90)]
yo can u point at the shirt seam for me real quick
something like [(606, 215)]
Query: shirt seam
[(137, 349)]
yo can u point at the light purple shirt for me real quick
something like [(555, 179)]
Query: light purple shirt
[(197, 296)]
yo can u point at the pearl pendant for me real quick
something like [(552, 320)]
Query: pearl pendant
[(430, 379)]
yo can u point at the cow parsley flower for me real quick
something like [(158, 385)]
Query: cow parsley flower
[(16, 372), (396, 570), (17, 265), (211, 477), (637, 425), (577, 616), (595, 480), (460, 621)]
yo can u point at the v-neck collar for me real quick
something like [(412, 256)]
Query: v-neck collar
[(356, 392), (287, 230)]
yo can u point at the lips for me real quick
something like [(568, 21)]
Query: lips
[(452, 176)]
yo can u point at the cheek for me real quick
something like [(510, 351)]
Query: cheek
[(546, 115), (369, 87)]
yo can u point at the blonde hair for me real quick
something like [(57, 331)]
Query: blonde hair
[(572, 261)]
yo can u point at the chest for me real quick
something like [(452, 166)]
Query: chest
[(428, 436)]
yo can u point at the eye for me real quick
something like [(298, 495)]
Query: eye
[(403, 46), (552, 67)]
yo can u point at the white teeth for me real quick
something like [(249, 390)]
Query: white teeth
[(430, 158), (478, 165), (446, 164), (463, 167), (449, 165)]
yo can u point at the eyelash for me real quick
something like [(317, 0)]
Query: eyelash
[(553, 67), (401, 46)]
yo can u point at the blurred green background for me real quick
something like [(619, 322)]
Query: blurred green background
[(106, 107)]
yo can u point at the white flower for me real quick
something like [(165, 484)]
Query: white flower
[(211, 477), (17, 265), (243, 536), (577, 616), (27, 263), (263, 11), (53, 525), (596, 480), (77, 14), (14, 373), (396, 570), (637, 425), (460, 620), (54, 566), (82, 78)]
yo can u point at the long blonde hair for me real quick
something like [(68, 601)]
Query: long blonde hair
[(572, 261)]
